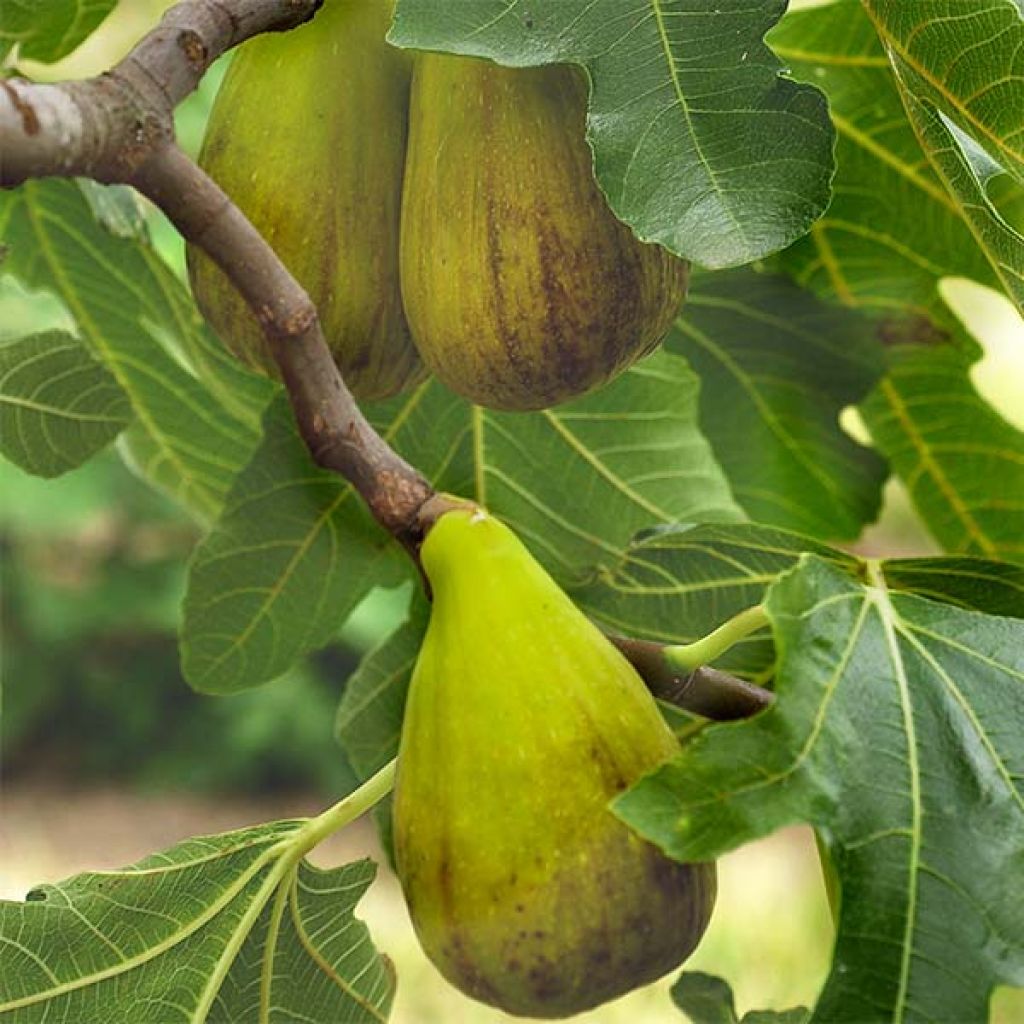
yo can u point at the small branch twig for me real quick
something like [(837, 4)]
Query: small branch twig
[(118, 128), (704, 691)]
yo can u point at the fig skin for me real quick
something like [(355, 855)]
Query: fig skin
[(307, 136), (522, 723), (521, 286)]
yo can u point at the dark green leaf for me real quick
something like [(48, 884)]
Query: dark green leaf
[(699, 143), (704, 999), (993, 587), (897, 732), (58, 406), (777, 366), (137, 319), (962, 463), (47, 30), (224, 928)]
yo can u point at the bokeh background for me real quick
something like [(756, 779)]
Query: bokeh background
[(107, 755)]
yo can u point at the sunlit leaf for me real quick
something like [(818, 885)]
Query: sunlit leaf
[(962, 463), (136, 318), (220, 929), (892, 234), (968, 60)]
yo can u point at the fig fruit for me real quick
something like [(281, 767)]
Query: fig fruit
[(521, 286), (522, 723), (307, 136)]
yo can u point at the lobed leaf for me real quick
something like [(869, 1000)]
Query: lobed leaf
[(896, 733), (58, 406), (218, 929)]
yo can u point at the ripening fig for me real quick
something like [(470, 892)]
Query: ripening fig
[(521, 286), (522, 723), (307, 136)]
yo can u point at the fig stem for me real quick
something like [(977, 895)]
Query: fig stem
[(687, 657), (346, 810)]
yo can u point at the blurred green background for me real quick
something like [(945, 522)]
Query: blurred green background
[(108, 755)]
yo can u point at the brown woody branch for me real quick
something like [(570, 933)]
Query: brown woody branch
[(119, 128)]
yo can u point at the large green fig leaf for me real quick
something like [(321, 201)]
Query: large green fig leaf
[(892, 234), (896, 733), (294, 551), (699, 143), (777, 367), (221, 929), (58, 406), (190, 436), (47, 30)]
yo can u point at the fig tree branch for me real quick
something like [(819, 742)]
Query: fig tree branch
[(119, 128)]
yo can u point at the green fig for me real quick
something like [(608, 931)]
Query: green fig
[(522, 723), (307, 136), (521, 286)]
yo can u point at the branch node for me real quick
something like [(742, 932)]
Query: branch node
[(191, 44)]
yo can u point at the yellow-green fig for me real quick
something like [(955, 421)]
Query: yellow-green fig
[(307, 136), (522, 723), (521, 287)]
